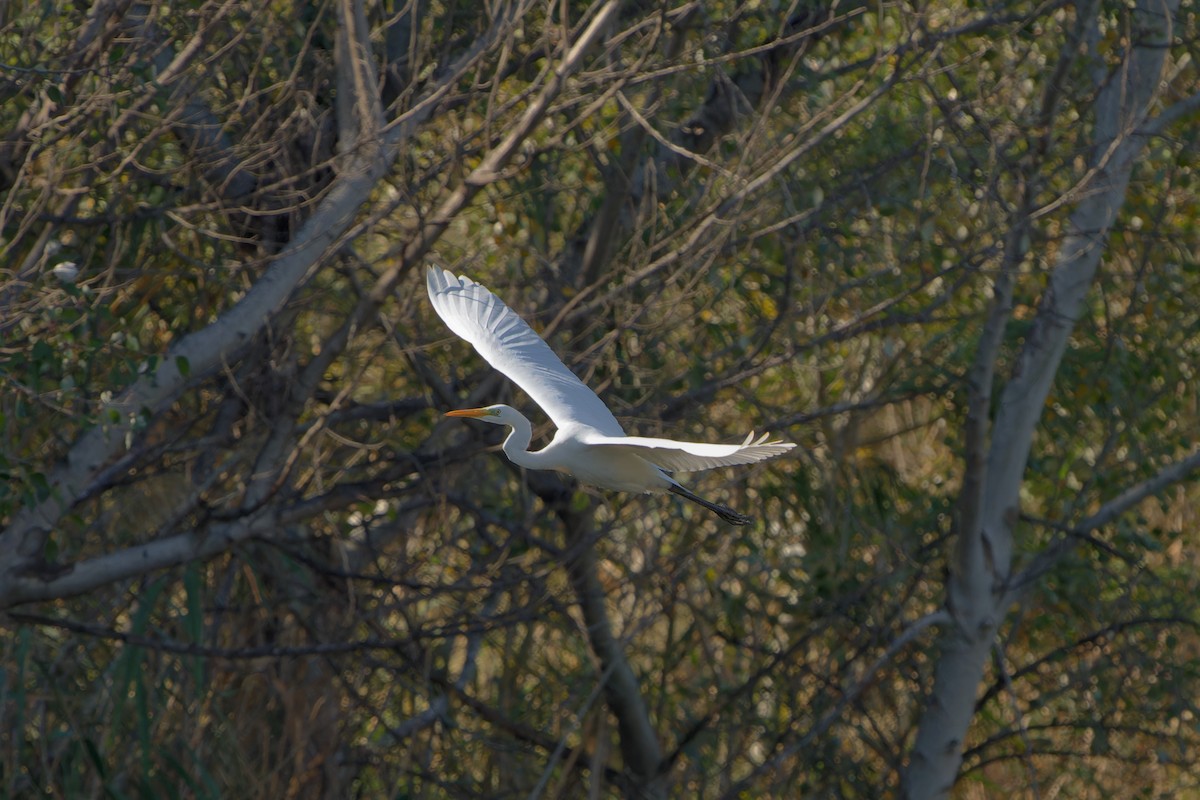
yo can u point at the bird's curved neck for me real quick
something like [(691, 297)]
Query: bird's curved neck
[(516, 446)]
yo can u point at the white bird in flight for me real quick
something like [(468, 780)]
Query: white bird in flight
[(589, 443)]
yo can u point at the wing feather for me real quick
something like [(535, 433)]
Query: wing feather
[(507, 342), (676, 456)]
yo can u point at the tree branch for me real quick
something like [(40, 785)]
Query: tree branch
[(1167, 476), (864, 680), (204, 352)]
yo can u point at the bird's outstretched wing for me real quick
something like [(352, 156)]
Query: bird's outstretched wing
[(507, 343), (676, 456)]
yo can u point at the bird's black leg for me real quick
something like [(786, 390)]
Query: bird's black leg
[(724, 512)]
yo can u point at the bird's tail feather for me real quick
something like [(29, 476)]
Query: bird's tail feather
[(724, 512)]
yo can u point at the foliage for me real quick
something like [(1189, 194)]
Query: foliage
[(732, 216)]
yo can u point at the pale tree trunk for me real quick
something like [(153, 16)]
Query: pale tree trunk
[(990, 503)]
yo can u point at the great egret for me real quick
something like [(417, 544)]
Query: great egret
[(590, 443)]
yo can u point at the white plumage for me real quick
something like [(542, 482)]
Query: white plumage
[(589, 443)]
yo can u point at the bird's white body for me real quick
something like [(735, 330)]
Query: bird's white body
[(590, 444), (613, 469), (606, 467)]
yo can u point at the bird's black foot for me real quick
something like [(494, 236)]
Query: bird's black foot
[(724, 512)]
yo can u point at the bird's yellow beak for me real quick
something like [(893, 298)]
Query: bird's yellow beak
[(469, 412)]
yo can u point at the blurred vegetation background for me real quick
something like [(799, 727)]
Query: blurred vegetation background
[(242, 555)]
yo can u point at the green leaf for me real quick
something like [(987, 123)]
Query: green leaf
[(41, 486), (41, 352)]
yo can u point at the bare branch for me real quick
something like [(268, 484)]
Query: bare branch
[(1108, 513), (852, 694), (205, 351), (638, 740), (1172, 114)]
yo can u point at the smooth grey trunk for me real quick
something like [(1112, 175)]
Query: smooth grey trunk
[(989, 509)]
